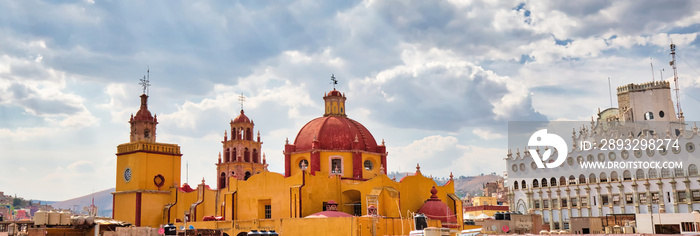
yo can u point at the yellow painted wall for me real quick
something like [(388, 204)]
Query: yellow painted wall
[(127, 207), (479, 201)]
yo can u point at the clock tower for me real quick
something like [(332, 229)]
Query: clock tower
[(148, 173)]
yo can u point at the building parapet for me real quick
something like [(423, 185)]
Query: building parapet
[(148, 147), (643, 86)]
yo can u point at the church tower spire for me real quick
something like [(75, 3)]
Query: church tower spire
[(143, 125)]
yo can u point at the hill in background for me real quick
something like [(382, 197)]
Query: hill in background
[(103, 201)]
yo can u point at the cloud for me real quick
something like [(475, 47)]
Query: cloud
[(439, 155), (443, 92)]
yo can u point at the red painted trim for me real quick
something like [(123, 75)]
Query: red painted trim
[(315, 162), (357, 165), (303, 182), (287, 164), (137, 222)]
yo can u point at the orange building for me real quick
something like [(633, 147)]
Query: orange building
[(333, 159)]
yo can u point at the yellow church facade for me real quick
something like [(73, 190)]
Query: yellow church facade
[(334, 181)]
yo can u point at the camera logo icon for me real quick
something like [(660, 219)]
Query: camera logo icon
[(542, 138)]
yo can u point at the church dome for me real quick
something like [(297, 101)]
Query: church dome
[(435, 209), (335, 133), (241, 118)]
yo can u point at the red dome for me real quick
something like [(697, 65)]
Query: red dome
[(241, 118), (435, 209), (335, 133), (143, 113), (334, 93)]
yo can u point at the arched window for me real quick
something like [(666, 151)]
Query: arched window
[(248, 135), (234, 155), (640, 174), (603, 177), (572, 180), (222, 180), (592, 178), (227, 155), (515, 185), (649, 116), (626, 175), (553, 182), (678, 172), (544, 182), (246, 155), (613, 177), (692, 170), (562, 180), (256, 156), (535, 184), (233, 134), (581, 179), (247, 175), (303, 164), (652, 174), (665, 173), (523, 185)]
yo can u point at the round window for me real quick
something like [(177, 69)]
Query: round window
[(533, 165), (663, 150), (638, 153), (650, 152), (690, 147), (624, 154), (589, 158), (369, 165), (601, 157), (612, 156), (522, 167), (515, 168), (661, 114), (303, 164), (570, 160)]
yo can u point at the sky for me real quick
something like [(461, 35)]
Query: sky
[(437, 80)]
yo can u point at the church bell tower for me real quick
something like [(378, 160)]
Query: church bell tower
[(148, 172)]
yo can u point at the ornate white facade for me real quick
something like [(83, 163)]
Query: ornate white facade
[(645, 112)]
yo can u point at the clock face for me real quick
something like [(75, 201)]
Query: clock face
[(127, 174)]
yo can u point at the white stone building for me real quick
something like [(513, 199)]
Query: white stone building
[(572, 191)]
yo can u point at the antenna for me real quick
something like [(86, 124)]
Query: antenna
[(610, 90), (675, 80), (661, 74), (652, 70), (187, 172)]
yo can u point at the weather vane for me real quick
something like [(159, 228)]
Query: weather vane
[(145, 82), (241, 98), (335, 81)]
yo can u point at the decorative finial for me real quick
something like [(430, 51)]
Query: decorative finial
[(356, 139), (417, 168), (286, 141), (264, 159), (145, 82), (335, 81), (241, 98), (383, 142), (451, 176), (393, 178), (202, 180)]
